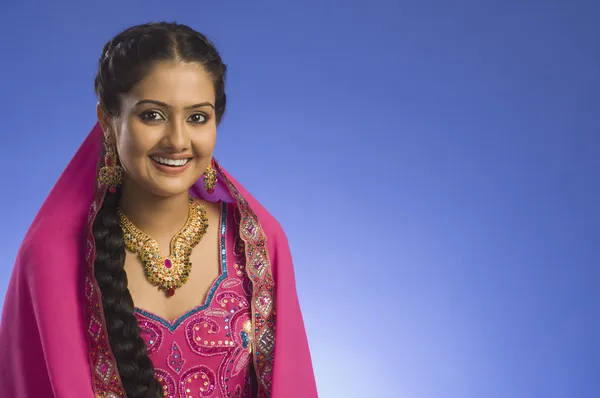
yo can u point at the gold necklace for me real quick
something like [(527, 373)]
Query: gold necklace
[(167, 273)]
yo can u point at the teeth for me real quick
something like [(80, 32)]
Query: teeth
[(170, 162)]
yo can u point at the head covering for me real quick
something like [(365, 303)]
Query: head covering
[(53, 340)]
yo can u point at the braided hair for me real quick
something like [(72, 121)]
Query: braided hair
[(125, 61)]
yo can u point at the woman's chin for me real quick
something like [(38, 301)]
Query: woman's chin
[(171, 188), (164, 185)]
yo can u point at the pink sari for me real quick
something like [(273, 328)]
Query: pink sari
[(53, 341)]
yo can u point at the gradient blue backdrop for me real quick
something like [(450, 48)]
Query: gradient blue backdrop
[(434, 163)]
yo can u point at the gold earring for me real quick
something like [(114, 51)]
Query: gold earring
[(111, 173), (210, 179)]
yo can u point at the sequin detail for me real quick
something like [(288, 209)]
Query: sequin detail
[(105, 379), (104, 368), (213, 337), (175, 360), (266, 341), (95, 328), (199, 334), (264, 303), (252, 244), (260, 272), (167, 383), (198, 381), (258, 265), (152, 334), (89, 286)]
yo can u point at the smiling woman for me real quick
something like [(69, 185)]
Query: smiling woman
[(149, 271)]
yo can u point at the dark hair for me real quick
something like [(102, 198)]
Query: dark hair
[(124, 62)]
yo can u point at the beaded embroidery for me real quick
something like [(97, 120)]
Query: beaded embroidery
[(175, 359), (105, 378), (106, 382), (263, 285), (213, 337)]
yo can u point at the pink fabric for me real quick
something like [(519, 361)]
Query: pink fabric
[(207, 350), (48, 337)]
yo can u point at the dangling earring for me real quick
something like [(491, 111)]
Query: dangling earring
[(210, 179), (111, 173)]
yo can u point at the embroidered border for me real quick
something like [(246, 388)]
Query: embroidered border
[(106, 382), (259, 269)]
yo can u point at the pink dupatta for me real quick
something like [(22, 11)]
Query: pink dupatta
[(53, 341)]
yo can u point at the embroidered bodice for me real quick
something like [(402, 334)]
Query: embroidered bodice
[(207, 352)]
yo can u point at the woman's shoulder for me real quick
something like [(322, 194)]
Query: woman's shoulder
[(50, 245), (268, 222)]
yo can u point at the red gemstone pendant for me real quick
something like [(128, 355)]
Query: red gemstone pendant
[(170, 292)]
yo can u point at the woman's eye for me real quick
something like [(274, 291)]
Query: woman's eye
[(151, 116), (197, 118)]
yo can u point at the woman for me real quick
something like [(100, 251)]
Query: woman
[(142, 226)]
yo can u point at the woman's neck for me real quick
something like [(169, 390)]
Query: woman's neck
[(157, 216)]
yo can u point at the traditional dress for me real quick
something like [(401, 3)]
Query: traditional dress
[(53, 340), (207, 352)]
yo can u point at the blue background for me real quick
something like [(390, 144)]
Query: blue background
[(434, 163)]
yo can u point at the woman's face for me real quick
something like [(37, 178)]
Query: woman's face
[(166, 131)]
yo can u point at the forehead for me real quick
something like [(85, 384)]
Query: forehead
[(176, 83)]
